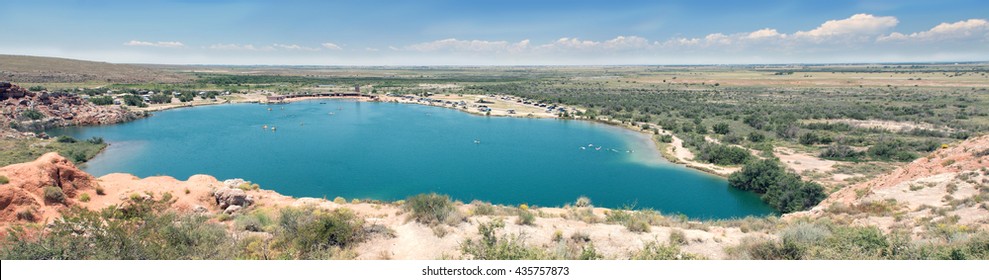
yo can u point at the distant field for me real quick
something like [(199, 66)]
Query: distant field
[(31, 70)]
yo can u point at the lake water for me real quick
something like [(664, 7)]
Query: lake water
[(388, 151)]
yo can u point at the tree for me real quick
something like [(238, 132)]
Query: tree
[(101, 100), (782, 190), (133, 100)]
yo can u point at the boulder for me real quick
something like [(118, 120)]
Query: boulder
[(232, 209), (226, 197)]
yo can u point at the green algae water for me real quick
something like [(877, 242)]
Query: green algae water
[(388, 151)]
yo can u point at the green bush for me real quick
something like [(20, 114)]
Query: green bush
[(84, 197), (36, 88), (311, 232), (840, 152), (526, 218), (656, 251), (890, 150), (493, 247), (54, 194), (134, 100), (121, 233), (634, 221), (666, 138), (782, 190), (4, 180), (678, 237), (756, 137), (431, 208), (720, 128), (32, 114), (65, 139), (101, 100)]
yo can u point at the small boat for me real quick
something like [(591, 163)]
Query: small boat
[(269, 108), (590, 145), (583, 148), (264, 127), (477, 141), (331, 113), (598, 148), (272, 128)]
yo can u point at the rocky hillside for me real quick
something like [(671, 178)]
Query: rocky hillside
[(946, 190), (37, 190), (19, 106)]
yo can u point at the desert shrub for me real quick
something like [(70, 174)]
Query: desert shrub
[(100, 190), (54, 194), (4, 180), (811, 138), (678, 237), (634, 221), (756, 137), (890, 150), (101, 100), (247, 186), (583, 201), (526, 218), (491, 246), (763, 249), (27, 214), (666, 138), (482, 208), (36, 88), (84, 197), (783, 190), (656, 251), (160, 99), (32, 114), (431, 208), (255, 221), (312, 233), (115, 233), (715, 153), (840, 152), (134, 100), (96, 140), (720, 128), (65, 139)]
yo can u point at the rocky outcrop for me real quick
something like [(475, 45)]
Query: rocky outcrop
[(57, 109), (25, 192), (231, 199)]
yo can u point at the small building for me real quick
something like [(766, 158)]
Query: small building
[(276, 98)]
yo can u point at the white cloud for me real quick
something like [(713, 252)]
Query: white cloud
[(944, 31), (331, 46), (764, 33), (858, 24), (252, 47), (453, 44), (236, 47), (294, 47), (136, 43)]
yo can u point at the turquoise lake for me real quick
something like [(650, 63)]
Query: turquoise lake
[(388, 151)]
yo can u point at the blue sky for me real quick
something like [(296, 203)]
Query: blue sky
[(497, 32)]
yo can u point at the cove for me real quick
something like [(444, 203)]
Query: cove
[(388, 151)]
